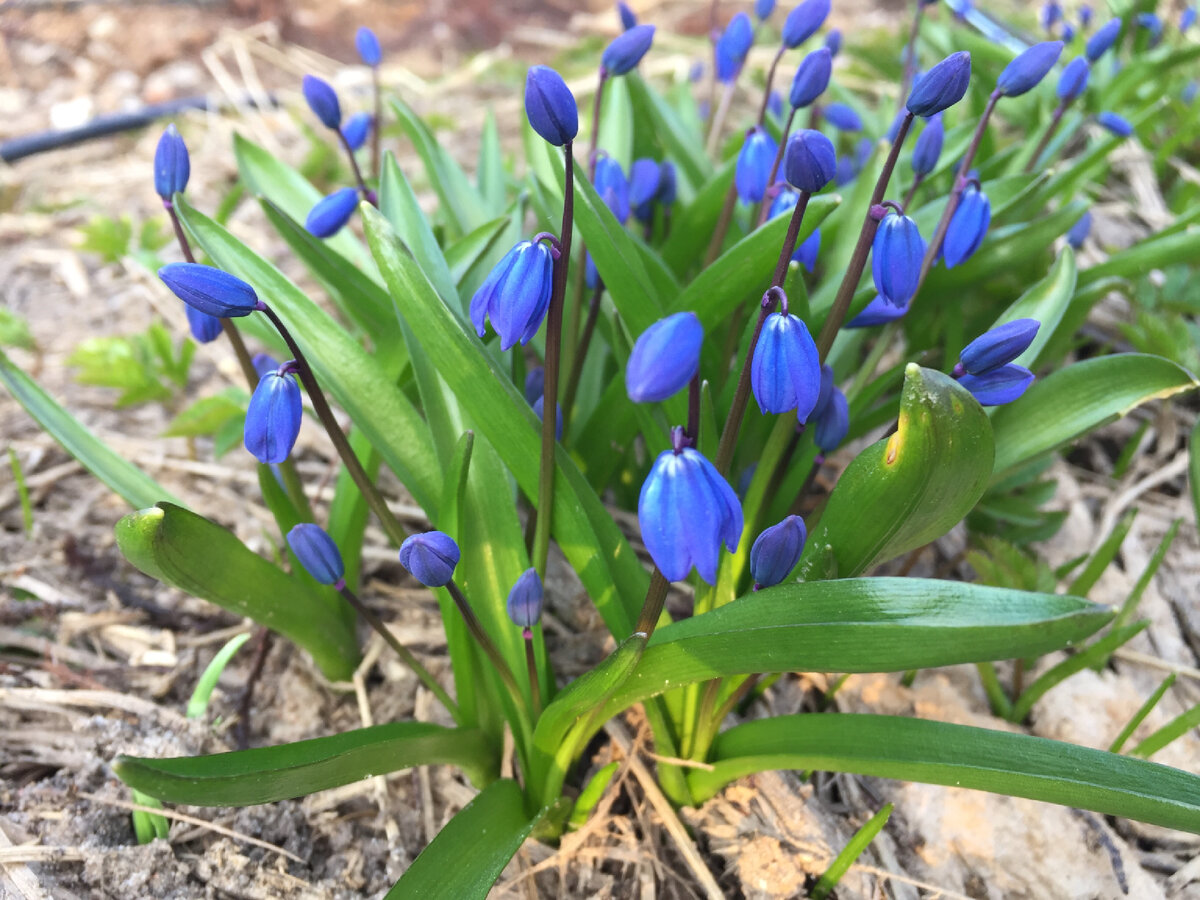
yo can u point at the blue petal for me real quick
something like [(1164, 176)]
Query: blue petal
[(658, 517)]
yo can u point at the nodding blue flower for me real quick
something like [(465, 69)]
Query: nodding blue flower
[(878, 312), (826, 390), (666, 184), (323, 101), (1085, 16), (732, 47), (550, 106), (806, 253), (665, 357), (809, 163), (1080, 230), (1105, 36), (1187, 18), (263, 363), (626, 15), (273, 417), (942, 86), (929, 146), (896, 258), (1153, 24), (210, 290), (763, 9), (785, 373), (803, 22), (330, 213), (315, 550), (775, 104), (539, 409), (516, 294), (1027, 70), (968, 227), (627, 49), (833, 41), (524, 602), (998, 346), (430, 557), (1050, 14), (686, 510), (1074, 79), (368, 46), (171, 164), (644, 177), (832, 423), (535, 384), (754, 165), (998, 386), (204, 328), (1119, 126), (842, 117), (812, 77), (356, 129), (613, 187), (1067, 35), (776, 551), (785, 201)]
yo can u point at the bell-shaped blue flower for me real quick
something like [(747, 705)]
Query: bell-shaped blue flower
[(550, 106), (263, 363), (832, 424), (535, 384), (430, 557), (204, 328), (878, 312), (833, 41), (999, 346), (1119, 126), (627, 49), (806, 253), (998, 386), (896, 258), (785, 373), (368, 46), (968, 227), (315, 550), (763, 9), (171, 164), (1074, 79), (665, 357), (1027, 70), (732, 47), (356, 129), (667, 188), (809, 163), (331, 213), (210, 290), (644, 177), (776, 551), (273, 417), (942, 86), (754, 165), (323, 101), (1080, 230), (516, 294), (803, 22), (539, 409), (929, 146), (686, 510), (1106, 35), (812, 77), (843, 117), (613, 187), (626, 15), (524, 602)]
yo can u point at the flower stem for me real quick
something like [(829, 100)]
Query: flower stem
[(718, 120), (585, 340), (693, 422), (763, 207), (722, 227), (912, 191), (377, 125), (485, 643), (535, 689), (762, 110), (1055, 121), (910, 54), (358, 176), (656, 598)]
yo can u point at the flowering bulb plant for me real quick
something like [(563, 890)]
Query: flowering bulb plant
[(907, 331)]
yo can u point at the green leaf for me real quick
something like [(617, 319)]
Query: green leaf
[(960, 756), (200, 557), (1046, 302), (1176, 728), (493, 182), (851, 852), (125, 479), (1194, 468), (267, 774), (685, 148), (198, 703), (208, 414), (14, 331), (1079, 398), (1154, 252), (399, 206), (1140, 715), (692, 227)]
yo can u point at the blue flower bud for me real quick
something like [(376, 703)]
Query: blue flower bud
[(430, 557), (776, 551), (1051, 13), (535, 384), (878, 312), (942, 86), (968, 227), (1153, 24), (894, 128), (847, 171), (832, 425), (754, 165), (1187, 18), (171, 164), (896, 258), (627, 49), (785, 201), (785, 373), (812, 77), (1085, 16), (998, 386), (210, 290), (666, 183), (525, 600), (323, 101), (686, 510), (826, 390), (368, 46), (1074, 79), (516, 294), (833, 41), (539, 409), (998, 346), (1116, 124), (644, 177), (803, 22), (929, 146), (1067, 35), (204, 328), (843, 117), (273, 418), (330, 213), (356, 129), (806, 253), (809, 163), (732, 47), (665, 358), (1080, 230), (316, 552), (1105, 36), (775, 104), (626, 15), (763, 9), (1024, 72), (613, 187), (550, 106), (263, 363)]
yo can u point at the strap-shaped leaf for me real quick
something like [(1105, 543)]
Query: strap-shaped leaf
[(681, 143)]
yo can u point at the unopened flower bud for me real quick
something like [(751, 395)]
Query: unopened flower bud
[(843, 117), (171, 164), (810, 161), (896, 258), (929, 146), (942, 86), (430, 557), (1105, 36), (627, 49), (776, 551), (732, 47), (323, 101), (803, 22), (210, 290), (368, 46), (1080, 230), (356, 129), (525, 600), (998, 386), (999, 346), (315, 550), (754, 165), (968, 227), (665, 358), (273, 417), (1074, 79), (330, 213), (1119, 126), (550, 106), (204, 328), (1027, 70), (812, 77)]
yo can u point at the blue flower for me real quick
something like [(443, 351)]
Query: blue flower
[(1105, 36), (812, 77), (929, 146), (968, 227), (1188, 94), (550, 106), (330, 213), (1068, 33), (826, 390), (878, 312), (785, 373), (806, 253), (644, 177), (833, 41), (803, 22), (775, 104), (204, 328), (1187, 18), (998, 346), (323, 101), (525, 600), (516, 294), (785, 201), (763, 9), (686, 510), (210, 290), (539, 408), (666, 183), (998, 386), (809, 162), (1024, 72), (1074, 79), (273, 417), (368, 46), (732, 47), (1080, 230), (754, 165), (1051, 13), (942, 86), (263, 363), (665, 358), (842, 117), (1116, 124), (356, 129), (430, 557), (626, 15), (1153, 24), (627, 49), (317, 553), (896, 258), (535, 384), (171, 164), (613, 187), (832, 423), (776, 551), (847, 171)]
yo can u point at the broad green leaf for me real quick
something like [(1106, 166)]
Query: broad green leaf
[(200, 557), (1154, 252), (492, 180), (1046, 302), (125, 479), (1079, 398), (616, 122), (692, 226), (467, 252), (208, 414), (267, 774), (399, 206), (1018, 765), (682, 147)]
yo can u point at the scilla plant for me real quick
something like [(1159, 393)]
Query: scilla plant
[(693, 337)]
